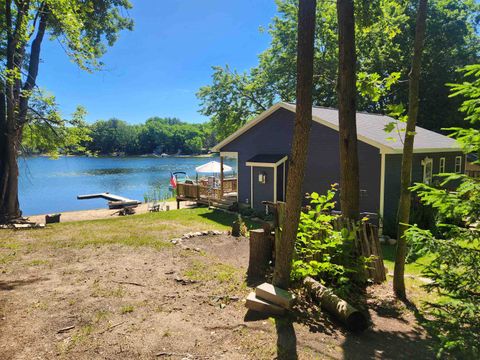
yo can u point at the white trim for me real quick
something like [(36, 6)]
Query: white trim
[(232, 154), (424, 150), (274, 184), (441, 165), (455, 168), (382, 184), (425, 162), (261, 164), (383, 148), (251, 187)]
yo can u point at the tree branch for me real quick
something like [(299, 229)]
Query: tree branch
[(32, 68)]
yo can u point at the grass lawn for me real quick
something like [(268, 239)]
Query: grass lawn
[(413, 268), (151, 229), (118, 288)]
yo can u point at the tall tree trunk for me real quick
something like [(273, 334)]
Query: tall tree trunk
[(297, 161), (349, 174), (15, 107), (406, 173), (286, 339)]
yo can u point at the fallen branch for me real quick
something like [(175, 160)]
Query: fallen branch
[(343, 311), (111, 327), (65, 329), (128, 283), (164, 353)]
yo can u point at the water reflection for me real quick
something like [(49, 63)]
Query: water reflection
[(48, 185)]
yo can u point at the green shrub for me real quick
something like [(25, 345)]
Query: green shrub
[(454, 242), (320, 251)]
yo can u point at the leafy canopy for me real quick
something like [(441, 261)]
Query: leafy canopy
[(384, 35), (455, 242)]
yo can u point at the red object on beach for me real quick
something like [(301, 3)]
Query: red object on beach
[(173, 181)]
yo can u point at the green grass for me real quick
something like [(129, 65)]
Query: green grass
[(126, 309), (229, 279), (414, 268), (152, 230)]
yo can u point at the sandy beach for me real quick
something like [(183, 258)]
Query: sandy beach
[(94, 214)]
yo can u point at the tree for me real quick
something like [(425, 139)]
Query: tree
[(406, 172), (110, 136), (286, 343), (383, 36), (56, 136), (454, 246), (82, 27), (349, 173)]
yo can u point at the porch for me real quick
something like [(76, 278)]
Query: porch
[(221, 193)]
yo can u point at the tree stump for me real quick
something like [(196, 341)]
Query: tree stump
[(260, 255)]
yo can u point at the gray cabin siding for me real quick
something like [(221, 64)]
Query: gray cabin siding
[(274, 135), (393, 165)]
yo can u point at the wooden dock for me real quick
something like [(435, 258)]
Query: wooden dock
[(114, 201)]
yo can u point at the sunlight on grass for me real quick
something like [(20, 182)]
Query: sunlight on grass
[(413, 268), (151, 230), (229, 278)]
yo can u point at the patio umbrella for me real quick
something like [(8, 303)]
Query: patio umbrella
[(212, 167)]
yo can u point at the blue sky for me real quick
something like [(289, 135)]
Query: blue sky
[(156, 69)]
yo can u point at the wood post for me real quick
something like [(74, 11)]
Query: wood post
[(221, 176), (367, 244), (279, 221), (260, 255)]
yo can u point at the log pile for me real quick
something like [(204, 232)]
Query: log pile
[(367, 244), (22, 224)]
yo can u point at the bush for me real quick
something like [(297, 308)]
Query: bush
[(322, 252), (454, 241)]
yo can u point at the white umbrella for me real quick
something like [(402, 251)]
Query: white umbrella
[(212, 167)]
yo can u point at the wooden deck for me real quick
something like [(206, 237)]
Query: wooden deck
[(221, 196)]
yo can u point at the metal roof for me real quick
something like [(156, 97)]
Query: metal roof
[(370, 129)]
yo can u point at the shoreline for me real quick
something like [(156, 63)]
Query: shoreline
[(95, 214), (153, 156)]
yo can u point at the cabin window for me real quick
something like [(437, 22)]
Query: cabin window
[(441, 168), (458, 164), (427, 170)]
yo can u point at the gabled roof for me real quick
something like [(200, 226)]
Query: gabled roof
[(370, 130)]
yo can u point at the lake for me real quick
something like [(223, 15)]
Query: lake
[(50, 186)]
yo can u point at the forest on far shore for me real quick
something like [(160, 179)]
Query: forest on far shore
[(103, 137)]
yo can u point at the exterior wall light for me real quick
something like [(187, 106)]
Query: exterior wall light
[(262, 178)]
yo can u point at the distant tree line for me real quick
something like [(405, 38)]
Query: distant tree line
[(157, 135)]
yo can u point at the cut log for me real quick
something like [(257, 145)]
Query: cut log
[(352, 318), (263, 306), (260, 254), (275, 295)]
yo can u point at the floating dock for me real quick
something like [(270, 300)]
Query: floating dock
[(114, 201)]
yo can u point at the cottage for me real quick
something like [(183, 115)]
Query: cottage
[(263, 145)]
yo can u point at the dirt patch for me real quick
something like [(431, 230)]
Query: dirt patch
[(94, 214), (113, 301)]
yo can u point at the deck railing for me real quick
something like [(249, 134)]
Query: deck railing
[(198, 192)]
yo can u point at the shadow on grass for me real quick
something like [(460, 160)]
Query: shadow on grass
[(227, 219)]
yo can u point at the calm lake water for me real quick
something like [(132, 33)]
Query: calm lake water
[(49, 186)]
